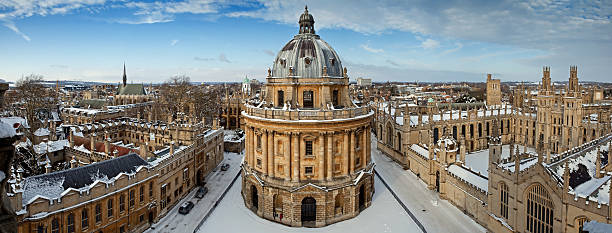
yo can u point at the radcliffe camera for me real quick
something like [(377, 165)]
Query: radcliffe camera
[(267, 116)]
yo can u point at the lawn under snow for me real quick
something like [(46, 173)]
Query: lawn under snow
[(385, 215)]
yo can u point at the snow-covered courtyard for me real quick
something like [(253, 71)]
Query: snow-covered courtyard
[(385, 215)]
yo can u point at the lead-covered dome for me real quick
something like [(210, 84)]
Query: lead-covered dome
[(307, 55)]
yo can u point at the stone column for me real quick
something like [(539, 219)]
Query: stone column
[(345, 153), (364, 147), (264, 152), (287, 155), (330, 155), (352, 157), (295, 138), (321, 156), (271, 154)]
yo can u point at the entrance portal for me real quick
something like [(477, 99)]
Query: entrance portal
[(309, 212), (361, 198)]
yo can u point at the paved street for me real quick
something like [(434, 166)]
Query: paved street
[(217, 182)]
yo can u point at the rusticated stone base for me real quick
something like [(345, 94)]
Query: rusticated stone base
[(325, 205)]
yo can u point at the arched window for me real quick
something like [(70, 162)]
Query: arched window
[(308, 99), (339, 203), (503, 197), (539, 210), (281, 98), (580, 223)]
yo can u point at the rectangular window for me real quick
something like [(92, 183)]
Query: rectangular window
[(109, 207), (258, 162), (308, 99), (122, 229), (132, 198), (308, 170), (259, 142), (98, 213), (121, 203), (84, 219), (281, 99), (141, 217), (142, 192), (150, 189), (70, 223), (335, 97), (308, 147)]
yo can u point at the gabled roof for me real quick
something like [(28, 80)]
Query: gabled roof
[(52, 185), (92, 103), (131, 89)]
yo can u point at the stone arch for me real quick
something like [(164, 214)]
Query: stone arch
[(339, 204), (254, 198), (309, 211), (539, 209), (277, 207)]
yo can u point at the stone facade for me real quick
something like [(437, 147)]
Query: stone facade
[(493, 91), (307, 159), (547, 177)]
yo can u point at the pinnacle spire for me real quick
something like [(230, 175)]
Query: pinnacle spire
[(124, 75)]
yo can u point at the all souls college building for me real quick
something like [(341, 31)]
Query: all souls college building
[(307, 159), (541, 164)]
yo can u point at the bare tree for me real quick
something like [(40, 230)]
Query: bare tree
[(179, 95), (35, 100)]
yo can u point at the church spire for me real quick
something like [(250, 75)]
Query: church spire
[(124, 75)]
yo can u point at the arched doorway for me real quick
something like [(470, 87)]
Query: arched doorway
[(437, 181), (361, 198), (309, 211), (254, 198)]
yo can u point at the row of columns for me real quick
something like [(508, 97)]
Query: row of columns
[(292, 153)]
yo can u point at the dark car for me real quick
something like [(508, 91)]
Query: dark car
[(224, 167), (186, 207), (201, 192)]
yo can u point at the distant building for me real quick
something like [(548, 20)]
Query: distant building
[(364, 82), (493, 91), (130, 93)]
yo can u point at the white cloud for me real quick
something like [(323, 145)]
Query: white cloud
[(430, 44), (452, 50), (173, 42), (370, 49), (11, 25)]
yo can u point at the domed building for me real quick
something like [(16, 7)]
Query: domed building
[(307, 159)]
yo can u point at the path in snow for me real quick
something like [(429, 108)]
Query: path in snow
[(435, 214), (384, 215), (217, 181)]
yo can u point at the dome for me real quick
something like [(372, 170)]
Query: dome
[(307, 55)]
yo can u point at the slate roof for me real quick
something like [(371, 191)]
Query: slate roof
[(92, 103), (52, 185), (131, 89)]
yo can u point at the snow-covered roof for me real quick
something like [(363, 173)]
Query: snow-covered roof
[(12, 120), (597, 227), (7, 130), (42, 132), (469, 176), (53, 146), (56, 184)]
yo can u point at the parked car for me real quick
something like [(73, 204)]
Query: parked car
[(201, 192), (224, 167), (186, 207)]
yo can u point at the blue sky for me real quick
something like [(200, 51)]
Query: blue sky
[(228, 40)]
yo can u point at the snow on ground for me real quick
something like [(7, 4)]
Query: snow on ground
[(425, 204), (217, 181), (384, 215)]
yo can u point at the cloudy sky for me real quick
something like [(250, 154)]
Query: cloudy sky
[(226, 40)]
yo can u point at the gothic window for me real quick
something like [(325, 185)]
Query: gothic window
[(70, 223), (580, 223), (308, 99), (503, 196), (98, 213), (308, 147), (281, 98), (109, 207), (539, 210), (84, 219)]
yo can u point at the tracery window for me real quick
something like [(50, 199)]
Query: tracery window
[(539, 210), (503, 196), (580, 223)]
